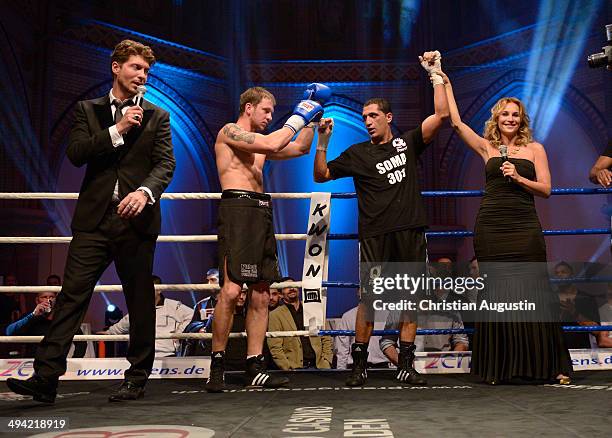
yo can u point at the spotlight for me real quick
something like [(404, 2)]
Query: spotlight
[(112, 315)]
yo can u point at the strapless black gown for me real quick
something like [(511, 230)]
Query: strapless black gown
[(508, 230)]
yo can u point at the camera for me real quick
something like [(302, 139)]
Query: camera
[(603, 59)]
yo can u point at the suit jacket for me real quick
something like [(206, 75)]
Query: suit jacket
[(145, 159), (287, 352)]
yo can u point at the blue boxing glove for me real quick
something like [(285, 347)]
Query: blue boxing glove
[(304, 112), (318, 92)]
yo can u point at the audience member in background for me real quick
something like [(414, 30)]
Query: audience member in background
[(276, 299), (473, 272), (12, 305), (205, 307), (235, 354), (579, 308), (432, 319), (202, 311), (54, 280), (296, 352), (171, 316), (376, 358), (37, 323), (605, 310)]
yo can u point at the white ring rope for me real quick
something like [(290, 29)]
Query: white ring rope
[(170, 196), (175, 238), (118, 288), (36, 339), (162, 287)]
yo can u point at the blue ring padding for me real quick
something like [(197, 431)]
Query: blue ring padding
[(582, 280), (476, 193), (465, 233), (567, 328), (348, 284)]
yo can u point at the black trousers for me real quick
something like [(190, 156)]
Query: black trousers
[(89, 255)]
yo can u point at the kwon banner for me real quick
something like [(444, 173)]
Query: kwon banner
[(315, 262)]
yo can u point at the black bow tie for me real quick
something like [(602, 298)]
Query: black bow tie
[(120, 105)]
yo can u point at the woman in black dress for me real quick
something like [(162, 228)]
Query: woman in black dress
[(508, 230)]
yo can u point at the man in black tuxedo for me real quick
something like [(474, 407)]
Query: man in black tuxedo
[(128, 152)]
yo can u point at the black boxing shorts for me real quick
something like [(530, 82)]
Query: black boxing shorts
[(402, 252), (246, 238)]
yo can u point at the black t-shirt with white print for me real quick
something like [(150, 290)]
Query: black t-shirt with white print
[(385, 178)]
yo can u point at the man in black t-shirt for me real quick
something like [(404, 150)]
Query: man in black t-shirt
[(392, 217)]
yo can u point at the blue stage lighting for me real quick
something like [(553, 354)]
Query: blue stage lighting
[(562, 29)]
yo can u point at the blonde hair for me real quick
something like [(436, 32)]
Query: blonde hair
[(254, 96), (491, 130)]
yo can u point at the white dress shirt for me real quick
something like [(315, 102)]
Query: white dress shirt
[(171, 316), (117, 140), (343, 343)]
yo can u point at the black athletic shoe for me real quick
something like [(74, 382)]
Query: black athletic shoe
[(406, 373), (126, 392), (216, 378), (258, 377), (41, 389), (359, 371)]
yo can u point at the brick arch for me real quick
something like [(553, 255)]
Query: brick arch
[(341, 100), (455, 156), (191, 123)]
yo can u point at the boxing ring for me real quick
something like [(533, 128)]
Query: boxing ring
[(316, 403)]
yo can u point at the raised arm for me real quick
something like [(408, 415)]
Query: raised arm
[(321, 171), (83, 145), (237, 137), (473, 140), (300, 146), (431, 62)]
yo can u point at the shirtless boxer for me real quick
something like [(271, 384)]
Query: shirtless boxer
[(247, 246)]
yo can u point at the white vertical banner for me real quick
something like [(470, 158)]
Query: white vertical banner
[(314, 295)]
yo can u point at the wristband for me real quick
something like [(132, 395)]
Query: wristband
[(295, 123), (436, 79), (322, 144)]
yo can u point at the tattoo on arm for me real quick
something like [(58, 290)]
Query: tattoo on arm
[(236, 133)]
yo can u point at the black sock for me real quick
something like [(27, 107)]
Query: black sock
[(218, 355), (405, 346), (360, 346)]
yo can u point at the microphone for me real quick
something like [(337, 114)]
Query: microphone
[(141, 90), (503, 151)]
